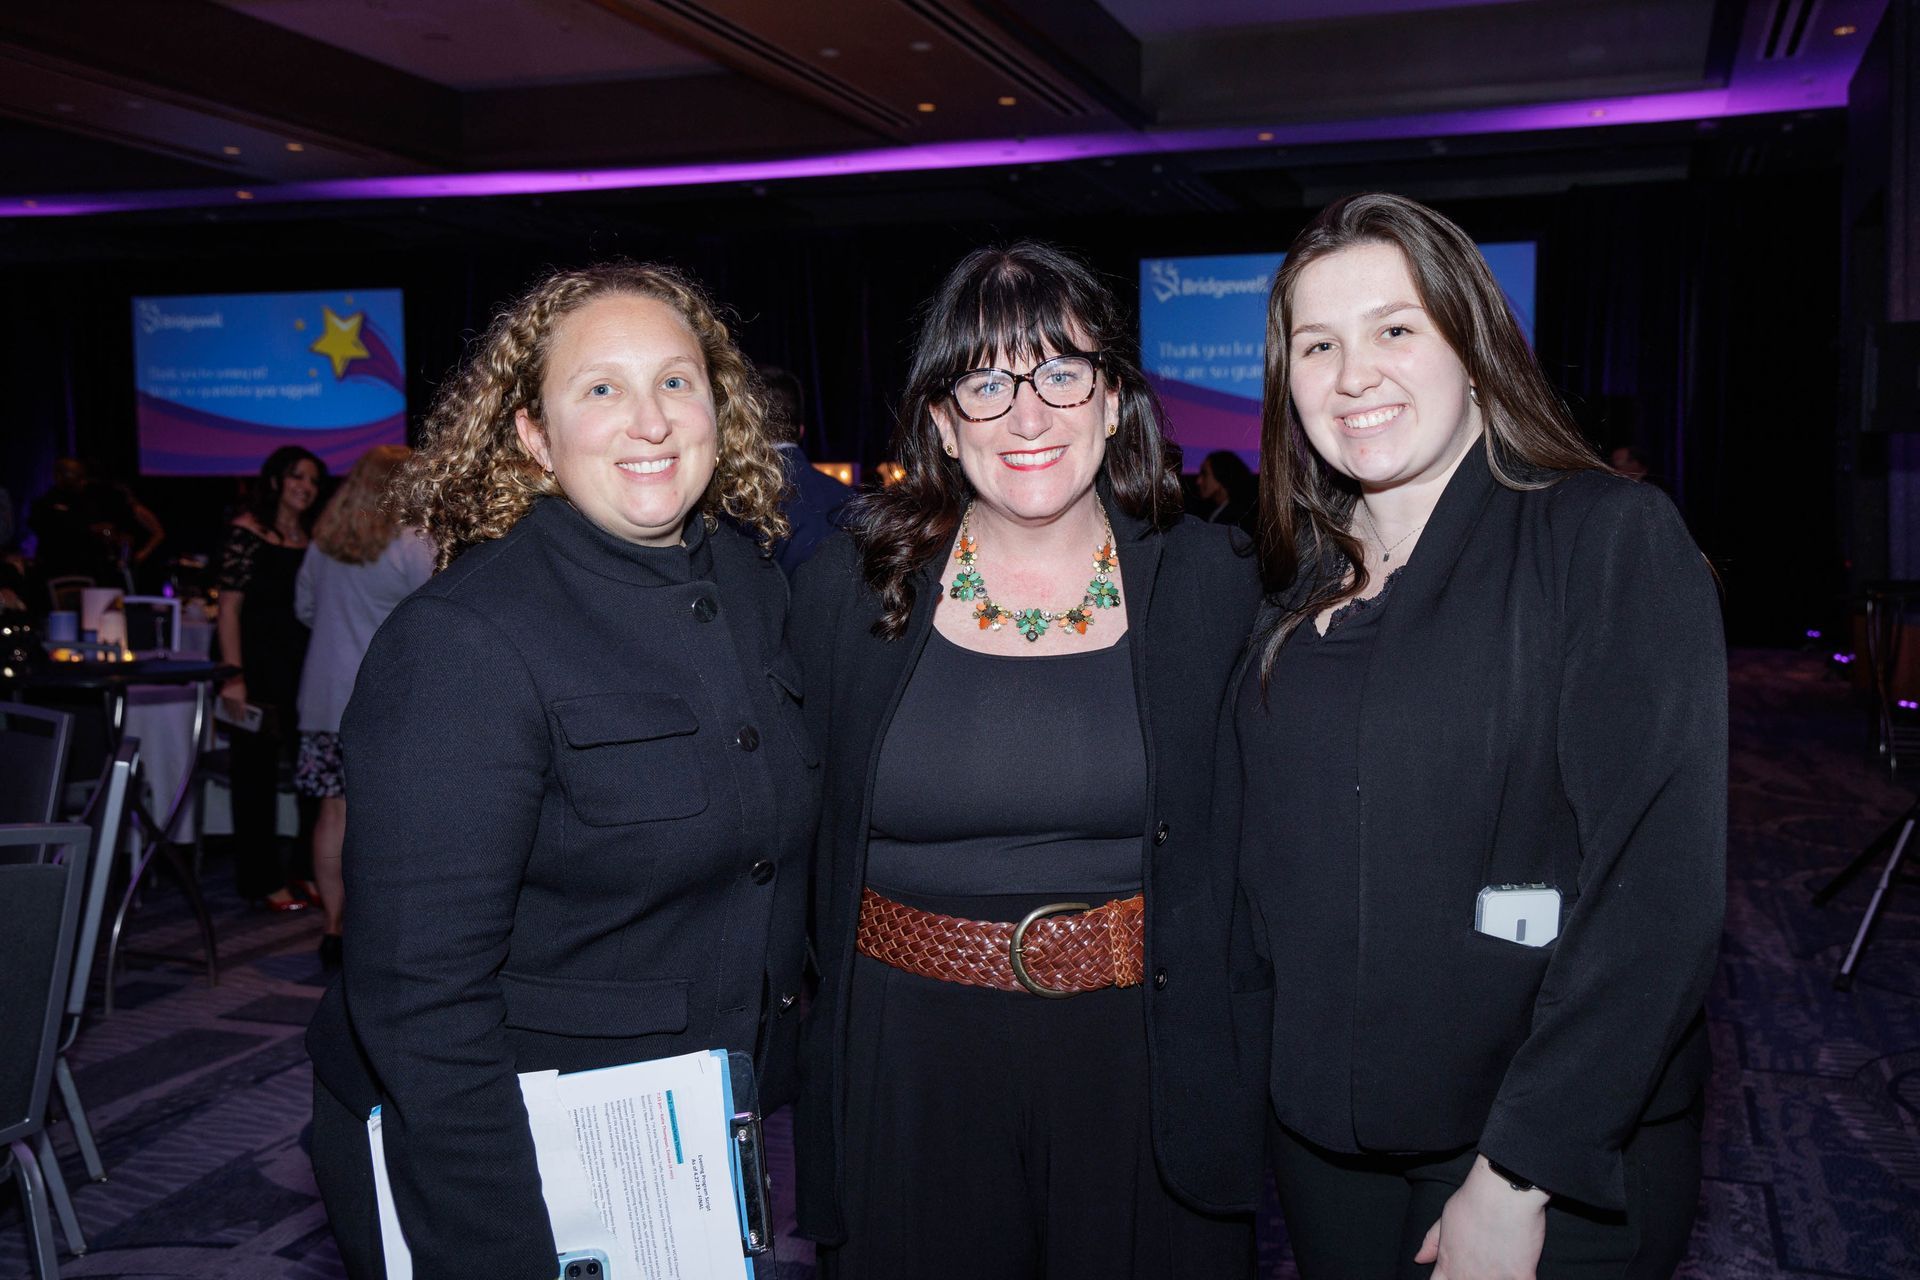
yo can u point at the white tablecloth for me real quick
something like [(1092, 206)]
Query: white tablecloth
[(161, 716)]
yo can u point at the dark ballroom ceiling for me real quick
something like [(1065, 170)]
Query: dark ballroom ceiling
[(1119, 106)]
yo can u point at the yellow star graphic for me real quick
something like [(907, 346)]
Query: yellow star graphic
[(341, 342)]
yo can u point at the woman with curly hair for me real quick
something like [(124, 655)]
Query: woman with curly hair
[(581, 792), (361, 563)]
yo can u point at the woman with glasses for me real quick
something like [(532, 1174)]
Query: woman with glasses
[(1022, 1059)]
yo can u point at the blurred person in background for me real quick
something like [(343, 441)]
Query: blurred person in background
[(812, 499), (361, 563), (13, 569), (91, 528), (1228, 490), (1630, 462), (261, 635)]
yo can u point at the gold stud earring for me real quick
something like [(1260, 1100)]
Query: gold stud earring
[(950, 450), (1111, 428)]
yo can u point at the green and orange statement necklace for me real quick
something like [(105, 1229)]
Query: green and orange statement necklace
[(968, 585)]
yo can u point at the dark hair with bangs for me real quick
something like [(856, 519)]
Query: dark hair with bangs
[(1306, 506), (1020, 303), (263, 499)]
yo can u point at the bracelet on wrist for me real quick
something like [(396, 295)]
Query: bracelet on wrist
[(1512, 1179)]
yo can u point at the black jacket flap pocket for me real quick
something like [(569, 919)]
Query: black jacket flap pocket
[(590, 1009), (601, 719), (786, 674)]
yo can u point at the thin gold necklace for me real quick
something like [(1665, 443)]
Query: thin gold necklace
[(1386, 553)]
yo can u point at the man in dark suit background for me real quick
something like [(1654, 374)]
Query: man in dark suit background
[(814, 499)]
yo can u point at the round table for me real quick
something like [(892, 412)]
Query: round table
[(144, 697)]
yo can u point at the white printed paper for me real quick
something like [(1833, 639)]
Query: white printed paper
[(392, 1243), (635, 1161)]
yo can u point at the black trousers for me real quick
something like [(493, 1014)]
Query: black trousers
[(343, 1168), (1353, 1216), (994, 1133), (260, 865)]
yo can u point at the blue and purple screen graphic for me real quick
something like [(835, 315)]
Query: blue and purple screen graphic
[(1203, 333), (222, 380)]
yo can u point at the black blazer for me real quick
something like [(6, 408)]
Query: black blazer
[(580, 802), (1190, 596), (1546, 702)]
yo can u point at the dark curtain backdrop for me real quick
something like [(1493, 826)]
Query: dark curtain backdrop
[(1696, 320), (1702, 323)]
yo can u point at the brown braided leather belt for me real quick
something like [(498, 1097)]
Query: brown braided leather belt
[(1047, 953)]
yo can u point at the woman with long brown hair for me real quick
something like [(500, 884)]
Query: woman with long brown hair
[(361, 563), (1483, 770), (581, 792), (1020, 1063), (261, 635)]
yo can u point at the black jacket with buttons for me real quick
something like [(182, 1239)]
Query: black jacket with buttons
[(580, 799), (1190, 596)]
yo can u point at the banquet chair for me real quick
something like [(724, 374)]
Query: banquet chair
[(34, 743), (65, 591), (107, 816), (39, 921)]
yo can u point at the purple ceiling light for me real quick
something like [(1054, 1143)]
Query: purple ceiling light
[(1815, 82)]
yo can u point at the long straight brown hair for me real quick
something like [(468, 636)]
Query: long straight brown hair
[(1020, 303), (1306, 507)]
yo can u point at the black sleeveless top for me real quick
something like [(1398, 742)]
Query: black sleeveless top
[(1007, 775), (273, 642)]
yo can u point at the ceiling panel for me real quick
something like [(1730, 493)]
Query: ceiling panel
[(1150, 18), (485, 44), (293, 101), (1434, 59)]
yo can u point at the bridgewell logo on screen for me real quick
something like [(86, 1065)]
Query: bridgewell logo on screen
[(1166, 282), (1203, 334), (154, 320)]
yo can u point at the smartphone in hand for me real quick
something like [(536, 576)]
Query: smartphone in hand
[(583, 1264)]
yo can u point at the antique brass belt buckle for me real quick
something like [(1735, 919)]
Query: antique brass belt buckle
[(1019, 941)]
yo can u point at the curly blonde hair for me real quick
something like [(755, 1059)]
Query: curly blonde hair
[(472, 479), (356, 526)]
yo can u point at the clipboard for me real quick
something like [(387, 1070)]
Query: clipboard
[(643, 1107), (752, 1180)]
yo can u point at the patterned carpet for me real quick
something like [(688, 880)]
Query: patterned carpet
[(199, 1095)]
